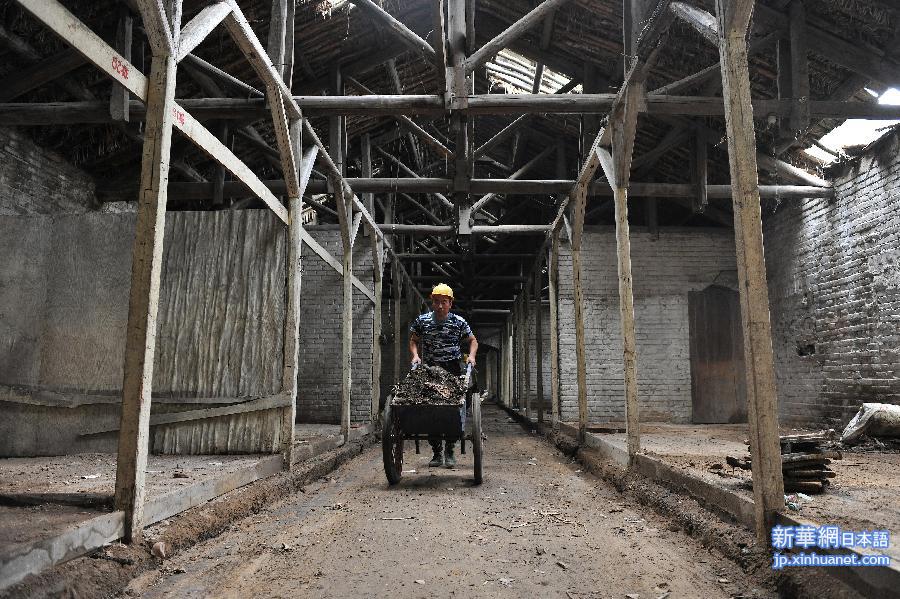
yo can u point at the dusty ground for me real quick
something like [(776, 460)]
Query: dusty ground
[(538, 526), (865, 493)]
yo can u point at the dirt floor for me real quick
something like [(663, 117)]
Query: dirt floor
[(865, 493), (537, 527)]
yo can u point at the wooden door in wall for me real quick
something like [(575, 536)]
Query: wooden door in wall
[(718, 386)]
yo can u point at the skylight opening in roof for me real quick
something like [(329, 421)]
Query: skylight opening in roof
[(516, 74), (855, 132)]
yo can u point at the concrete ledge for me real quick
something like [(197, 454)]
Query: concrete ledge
[(102, 530)]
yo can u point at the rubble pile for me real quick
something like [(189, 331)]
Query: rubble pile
[(429, 385), (804, 461)]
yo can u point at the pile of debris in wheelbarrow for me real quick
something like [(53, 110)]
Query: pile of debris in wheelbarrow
[(430, 385)]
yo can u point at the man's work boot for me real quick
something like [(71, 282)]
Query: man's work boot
[(437, 460), (449, 458)]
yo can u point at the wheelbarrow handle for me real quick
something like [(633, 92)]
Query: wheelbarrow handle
[(468, 376)]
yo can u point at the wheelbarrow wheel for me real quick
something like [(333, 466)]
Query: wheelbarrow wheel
[(391, 446), (476, 436)]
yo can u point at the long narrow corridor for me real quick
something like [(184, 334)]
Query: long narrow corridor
[(537, 527)]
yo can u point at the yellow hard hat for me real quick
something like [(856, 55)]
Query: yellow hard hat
[(442, 289)]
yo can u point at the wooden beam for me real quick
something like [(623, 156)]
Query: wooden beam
[(510, 129), (278, 28), (200, 27), (253, 405), (156, 24), (119, 96), (514, 31), (440, 149), (781, 169), (140, 343), (800, 95), (440, 42), (768, 487), (41, 73), (250, 46), (202, 109), (702, 22), (398, 89), (403, 33), (856, 57), (104, 57), (222, 76), (195, 191), (443, 199), (333, 262), (479, 205)]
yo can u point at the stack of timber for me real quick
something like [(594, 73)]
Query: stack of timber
[(804, 461), (429, 385)]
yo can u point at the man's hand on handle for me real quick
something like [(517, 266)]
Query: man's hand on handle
[(470, 360), (416, 361)]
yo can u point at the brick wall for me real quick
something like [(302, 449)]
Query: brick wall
[(36, 181), (665, 269), (545, 357), (320, 335), (834, 292)]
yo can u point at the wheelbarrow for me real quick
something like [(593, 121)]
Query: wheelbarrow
[(424, 422)]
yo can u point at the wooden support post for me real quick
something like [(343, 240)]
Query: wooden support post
[(799, 69), (617, 169), (119, 97), (400, 336), (527, 321), (539, 341), (295, 182), (368, 200), (580, 365), (345, 217), (291, 333), (146, 265), (626, 313), (553, 267), (768, 486)]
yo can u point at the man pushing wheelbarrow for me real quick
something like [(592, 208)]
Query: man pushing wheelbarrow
[(440, 333)]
